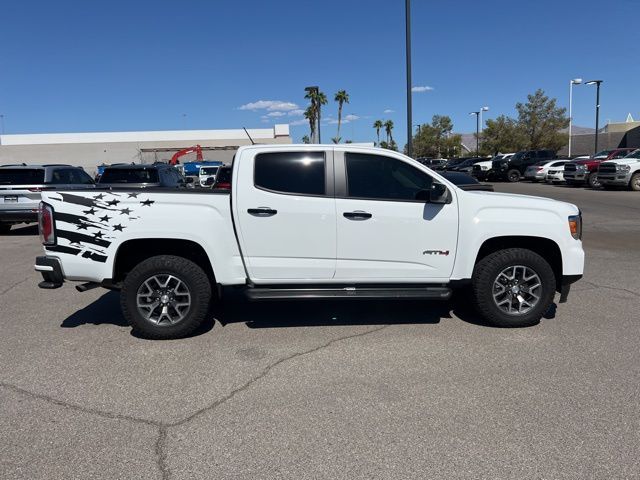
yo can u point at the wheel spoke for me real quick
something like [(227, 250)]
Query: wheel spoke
[(163, 299), (517, 289)]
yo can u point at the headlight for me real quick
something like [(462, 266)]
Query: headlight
[(581, 168), (575, 226), (622, 168)]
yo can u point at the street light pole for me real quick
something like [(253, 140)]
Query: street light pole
[(477, 114), (575, 81), (407, 6), (483, 109), (597, 84)]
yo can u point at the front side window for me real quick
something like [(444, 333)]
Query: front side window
[(384, 178), (301, 173)]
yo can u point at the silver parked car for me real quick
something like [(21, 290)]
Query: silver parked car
[(20, 187)]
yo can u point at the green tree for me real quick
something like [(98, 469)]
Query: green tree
[(317, 99), (541, 121), (378, 125), (436, 139), (388, 128), (502, 134), (305, 139), (341, 97)]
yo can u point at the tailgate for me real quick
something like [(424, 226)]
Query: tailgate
[(18, 197)]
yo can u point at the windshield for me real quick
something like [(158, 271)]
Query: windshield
[(603, 154), (634, 154), (133, 175), (21, 176), (208, 170), (518, 156)]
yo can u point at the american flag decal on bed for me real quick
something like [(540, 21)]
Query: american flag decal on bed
[(90, 223)]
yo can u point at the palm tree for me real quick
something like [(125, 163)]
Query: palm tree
[(341, 97), (388, 128), (310, 114), (305, 139), (317, 99), (378, 125)]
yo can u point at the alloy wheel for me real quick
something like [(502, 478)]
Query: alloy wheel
[(163, 299), (517, 290)]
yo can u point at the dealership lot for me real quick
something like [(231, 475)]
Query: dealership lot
[(331, 389)]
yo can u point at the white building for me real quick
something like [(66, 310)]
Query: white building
[(89, 150)]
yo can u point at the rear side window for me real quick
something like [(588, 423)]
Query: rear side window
[(21, 176), (383, 178), (70, 176), (291, 172), (133, 175)]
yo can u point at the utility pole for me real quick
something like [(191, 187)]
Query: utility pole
[(597, 84)]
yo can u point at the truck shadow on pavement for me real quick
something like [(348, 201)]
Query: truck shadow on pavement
[(299, 313)]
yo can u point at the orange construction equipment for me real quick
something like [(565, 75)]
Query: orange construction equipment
[(185, 151)]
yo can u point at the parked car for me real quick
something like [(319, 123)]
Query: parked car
[(623, 172), (155, 175), (467, 165), (555, 175), (20, 187), (192, 169), (482, 170), (314, 221), (454, 162), (207, 175), (434, 163), (100, 169), (538, 172), (581, 172), (513, 168)]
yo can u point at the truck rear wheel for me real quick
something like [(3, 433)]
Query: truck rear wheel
[(513, 287), (165, 297), (513, 175)]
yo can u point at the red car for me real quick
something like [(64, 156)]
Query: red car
[(584, 171)]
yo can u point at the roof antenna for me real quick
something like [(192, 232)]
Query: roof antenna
[(245, 131)]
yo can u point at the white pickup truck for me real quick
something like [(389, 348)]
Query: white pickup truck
[(312, 221)]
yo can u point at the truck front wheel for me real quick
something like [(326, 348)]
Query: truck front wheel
[(513, 287), (634, 184), (513, 175), (165, 297), (592, 180)]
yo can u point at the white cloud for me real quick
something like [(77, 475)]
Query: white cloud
[(296, 113), (388, 110), (276, 114), (303, 121), (269, 105), (420, 89), (351, 117)]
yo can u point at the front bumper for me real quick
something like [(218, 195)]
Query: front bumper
[(19, 215), (575, 177), (51, 271), (619, 179)]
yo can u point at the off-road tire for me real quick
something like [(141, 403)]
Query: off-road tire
[(486, 271), (4, 228), (188, 272), (634, 183), (513, 175), (592, 180)]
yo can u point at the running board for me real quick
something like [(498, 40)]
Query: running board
[(423, 293)]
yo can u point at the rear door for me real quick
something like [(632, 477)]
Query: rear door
[(385, 232), (285, 208)]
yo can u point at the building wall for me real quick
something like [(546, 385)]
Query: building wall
[(89, 150)]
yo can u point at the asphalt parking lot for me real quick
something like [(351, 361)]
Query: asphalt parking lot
[(335, 390)]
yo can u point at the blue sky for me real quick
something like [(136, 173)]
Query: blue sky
[(69, 66)]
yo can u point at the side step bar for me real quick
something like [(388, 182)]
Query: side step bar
[(430, 293)]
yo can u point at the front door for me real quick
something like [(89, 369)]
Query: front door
[(385, 232), (286, 214)]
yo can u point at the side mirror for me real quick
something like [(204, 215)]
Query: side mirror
[(438, 193)]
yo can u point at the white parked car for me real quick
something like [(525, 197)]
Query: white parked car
[(312, 221), (205, 173), (481, 170), (555, 174), (538, 172)]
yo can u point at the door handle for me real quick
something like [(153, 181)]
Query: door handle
[(357, 215), (262, 212)]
